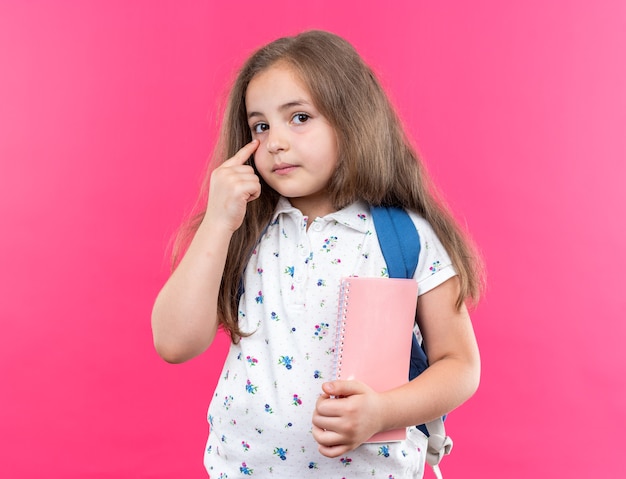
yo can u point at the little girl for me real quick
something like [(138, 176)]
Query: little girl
[(311, 142)]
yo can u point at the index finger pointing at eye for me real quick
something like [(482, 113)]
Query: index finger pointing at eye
[(243, 154)]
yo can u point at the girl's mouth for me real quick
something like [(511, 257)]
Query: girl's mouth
[(283, 169)]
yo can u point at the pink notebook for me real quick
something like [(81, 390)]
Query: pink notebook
[(374, 334)]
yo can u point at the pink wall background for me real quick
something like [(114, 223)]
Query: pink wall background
[(107, 113)]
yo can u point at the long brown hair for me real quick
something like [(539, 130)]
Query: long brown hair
[(376, 163)]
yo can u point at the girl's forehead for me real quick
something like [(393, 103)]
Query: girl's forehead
[(276, 72), (276, 85)]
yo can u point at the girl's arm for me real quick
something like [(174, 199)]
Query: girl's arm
[(184, 317), (341, 425)]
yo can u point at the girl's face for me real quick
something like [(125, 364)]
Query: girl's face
[(298, 151)]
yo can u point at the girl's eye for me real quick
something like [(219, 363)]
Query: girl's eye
[(300, 118), (259, 128)]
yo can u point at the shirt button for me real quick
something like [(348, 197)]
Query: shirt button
[(317, 226)]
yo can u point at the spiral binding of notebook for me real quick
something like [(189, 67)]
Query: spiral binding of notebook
[(342, 310)]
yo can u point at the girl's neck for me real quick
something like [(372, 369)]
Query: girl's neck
[(313, 209)]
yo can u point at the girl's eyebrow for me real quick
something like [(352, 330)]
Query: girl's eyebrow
[(286, 106)]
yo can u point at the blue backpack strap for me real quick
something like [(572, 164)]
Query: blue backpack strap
[(399, 240), (400, 243)]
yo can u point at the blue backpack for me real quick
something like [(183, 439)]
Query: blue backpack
[(400, 245)]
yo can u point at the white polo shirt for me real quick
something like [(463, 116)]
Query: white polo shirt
[(260, 415)]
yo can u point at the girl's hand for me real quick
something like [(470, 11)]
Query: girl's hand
[(233, 185), (344, 422)]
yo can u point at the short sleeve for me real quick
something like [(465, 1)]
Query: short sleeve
[(434, 265)]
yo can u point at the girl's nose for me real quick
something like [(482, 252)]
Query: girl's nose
[(276, 141)]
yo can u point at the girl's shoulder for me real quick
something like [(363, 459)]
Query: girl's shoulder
[(434, 265), (421, 223)]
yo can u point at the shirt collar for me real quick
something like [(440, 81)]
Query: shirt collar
[(355, 216)]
